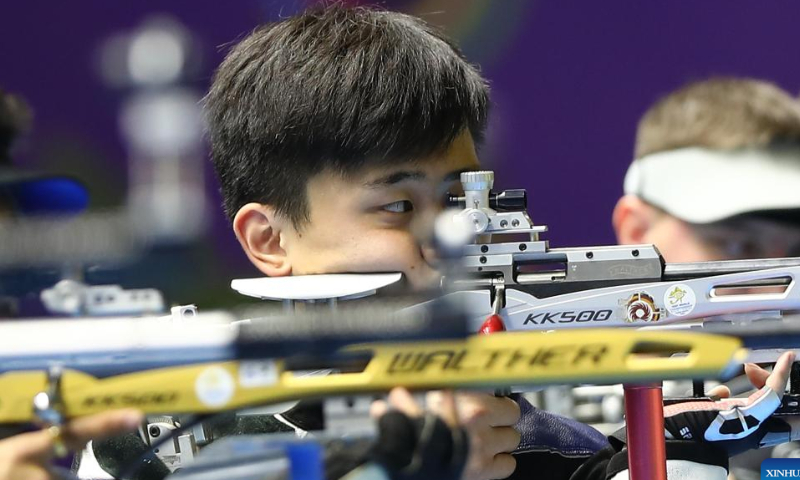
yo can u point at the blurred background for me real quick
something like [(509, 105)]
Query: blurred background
[(114, 87)]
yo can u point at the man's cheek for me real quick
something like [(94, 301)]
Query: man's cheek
[(387, 253), (384, 260)]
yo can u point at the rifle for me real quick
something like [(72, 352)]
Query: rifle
[(236, 367), (543, 288)]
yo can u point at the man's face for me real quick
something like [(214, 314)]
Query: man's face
[(678, 242), (636, 222), (740, 239), (379, 219)]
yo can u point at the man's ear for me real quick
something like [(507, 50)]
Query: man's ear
[(259, 228), (632, 220)]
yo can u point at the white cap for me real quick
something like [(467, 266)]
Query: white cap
[(699, 185)]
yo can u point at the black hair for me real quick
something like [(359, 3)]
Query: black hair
[(335, 89), (15, 117)]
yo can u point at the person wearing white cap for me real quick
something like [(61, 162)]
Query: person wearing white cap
[(716, 174)]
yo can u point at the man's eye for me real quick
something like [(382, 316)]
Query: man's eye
[(402, 206)]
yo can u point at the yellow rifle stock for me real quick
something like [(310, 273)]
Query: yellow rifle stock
[(503, 359)]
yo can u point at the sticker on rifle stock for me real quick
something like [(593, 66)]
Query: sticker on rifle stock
[(257, 374), (214, 386), (641, 307), (680, 300)]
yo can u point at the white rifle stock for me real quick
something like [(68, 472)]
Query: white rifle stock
[(547, 288)]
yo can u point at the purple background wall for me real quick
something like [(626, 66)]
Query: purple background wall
[(570, 80)]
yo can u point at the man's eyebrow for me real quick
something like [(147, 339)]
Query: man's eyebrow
[(395, 178), (456, 174)]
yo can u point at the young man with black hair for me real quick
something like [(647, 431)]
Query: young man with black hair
[(335, 135)]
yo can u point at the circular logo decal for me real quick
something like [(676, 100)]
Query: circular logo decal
[(214, 386), (641, 307), (680, 300)]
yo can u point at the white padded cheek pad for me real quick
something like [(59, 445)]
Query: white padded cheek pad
[(763, 406)]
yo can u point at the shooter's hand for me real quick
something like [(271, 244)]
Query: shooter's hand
[(413, 445), (26, 456), (489, 420), (738, 424)]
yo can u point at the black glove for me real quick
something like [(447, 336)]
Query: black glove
[(420, 448)]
